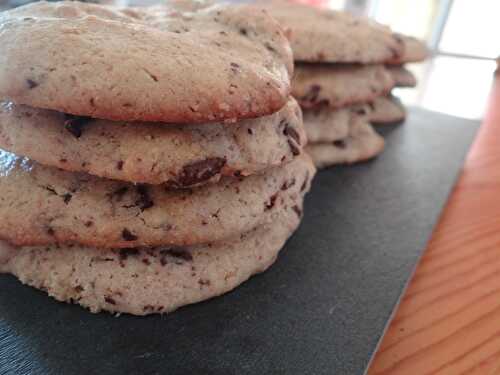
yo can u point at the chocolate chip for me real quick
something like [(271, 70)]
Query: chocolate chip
[(75, 124), (119, 165), (109, 300), (51, 190), (128, 235), (146, 261), (291, 132), (272, 201), (31, 84), (178, 252), (200, 171), (269, 47), (144, 202), (235, 67), (339, 143), (89, 223), (288, 184), (50, 231), (297, 210), (243, 31), (294, 148), (78, 289), (250, 131), (312, 94), (67, 197), (204, 282)]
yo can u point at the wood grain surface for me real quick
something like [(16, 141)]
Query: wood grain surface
[(448, 321)]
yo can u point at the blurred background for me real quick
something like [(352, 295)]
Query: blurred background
[(463, 36)]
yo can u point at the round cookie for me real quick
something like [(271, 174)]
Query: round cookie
[(161, 64), (362, 144), (414, 50), (324, 124), (322, 35), (144, 281), (41, 205), (339, 85), (387, 110), (180, 155), (402, 77)]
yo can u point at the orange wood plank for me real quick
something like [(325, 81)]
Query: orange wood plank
[(448, 322)]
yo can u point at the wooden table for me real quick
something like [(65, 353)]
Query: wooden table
[(448, 321)]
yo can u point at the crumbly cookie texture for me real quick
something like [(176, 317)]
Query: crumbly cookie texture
[(321, 35), (387, 110), (414, 50), (363, 143), (179, 155), (41, 205), (339, 85), (325, 124), (144, 281), (402, 77), (167, 64)]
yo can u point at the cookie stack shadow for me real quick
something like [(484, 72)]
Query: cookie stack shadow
[(157, 164), (341, 79)]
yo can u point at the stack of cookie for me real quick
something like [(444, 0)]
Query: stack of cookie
[(389, 109), (339, 68), (339, 73), (153, 157)]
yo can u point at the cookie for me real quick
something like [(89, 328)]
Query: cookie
[(328, 125), (179, 155), (363, 143), (161, 64), (414, 50), (339, 85), (41, 205), (387, 110), (402, 77), (144, 281), (321, 35)]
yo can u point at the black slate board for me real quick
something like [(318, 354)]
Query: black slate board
[(321, 309)]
